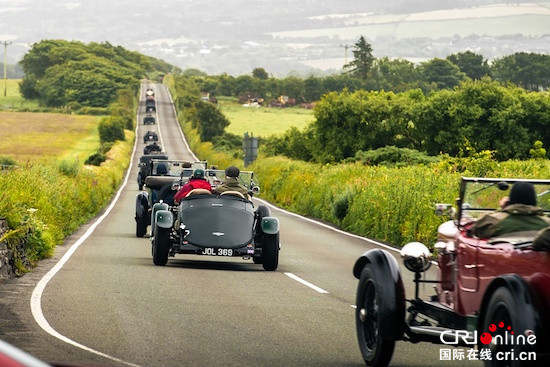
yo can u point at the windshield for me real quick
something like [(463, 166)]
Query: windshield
[(481, 196), (217, 177), (176, 168)]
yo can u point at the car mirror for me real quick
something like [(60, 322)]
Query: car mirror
[(445, 210), (255, 190)]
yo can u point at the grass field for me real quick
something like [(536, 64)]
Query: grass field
[(34, 136), (491, 20), (13, 98), (264, 121)]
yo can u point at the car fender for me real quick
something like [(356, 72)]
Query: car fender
[(521, 291), (387, 272), (270, 225), (164, 218), (142, 205), (157, 207)]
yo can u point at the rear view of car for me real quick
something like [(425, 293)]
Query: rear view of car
[(225, 225)]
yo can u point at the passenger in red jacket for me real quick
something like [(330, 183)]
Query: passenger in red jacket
[(197, 181)]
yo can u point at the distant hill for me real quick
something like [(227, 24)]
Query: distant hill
[(284, 36)]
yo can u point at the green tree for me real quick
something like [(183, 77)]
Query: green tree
[(537, 152), (362, 59), (260, 73), (211, 122), (193, 72), (110, 129), (471, 64), (61, 73), (396, 75), (442, 73), (226, 85), (477, 116), (347, 122), (312, 89), (528, 70)]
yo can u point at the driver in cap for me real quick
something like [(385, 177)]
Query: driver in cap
[(519, 213), (231, 182)]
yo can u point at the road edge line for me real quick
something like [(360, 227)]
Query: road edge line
[(36, 297)]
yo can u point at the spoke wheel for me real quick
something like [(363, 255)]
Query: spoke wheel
[(376, 351)]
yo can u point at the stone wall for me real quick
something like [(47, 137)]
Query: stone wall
[(6, 255)]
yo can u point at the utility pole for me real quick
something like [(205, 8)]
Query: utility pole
[(346, 54), (5, 43)]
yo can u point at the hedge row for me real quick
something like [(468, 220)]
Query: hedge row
[(393, 205), (43, 203)]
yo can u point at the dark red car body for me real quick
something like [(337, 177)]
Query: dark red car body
[(480, 282)]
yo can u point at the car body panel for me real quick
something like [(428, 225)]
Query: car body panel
[(217, 221)]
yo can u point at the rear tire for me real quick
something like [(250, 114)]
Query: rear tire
[(504, 307), (161, 246), (261, 212), (270, 251)]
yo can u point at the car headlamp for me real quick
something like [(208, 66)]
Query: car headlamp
[(416, 257)]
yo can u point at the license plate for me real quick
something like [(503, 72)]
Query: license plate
[(217, 251)]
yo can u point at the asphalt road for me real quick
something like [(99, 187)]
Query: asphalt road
[(108, 305)]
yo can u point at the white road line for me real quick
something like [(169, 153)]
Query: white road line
[(300, 280), (157, 120), (179, 124), (36, 297)]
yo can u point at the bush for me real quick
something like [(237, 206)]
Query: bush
[(227, 142), (69, 167), (7, 161), (42, 204), (96, 159), (392, 156), (95, 111), (111, 129)]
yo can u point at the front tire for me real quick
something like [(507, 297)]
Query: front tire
[(141, 227), (375, 350), (161, 246), (140, 182)]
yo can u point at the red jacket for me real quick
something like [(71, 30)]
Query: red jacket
[(194, 183)]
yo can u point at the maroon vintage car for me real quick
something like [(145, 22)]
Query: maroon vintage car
[(491, 294)]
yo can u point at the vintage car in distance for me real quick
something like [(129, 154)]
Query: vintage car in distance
[(146, 167), (150, 136), (225, 225), (162, 177), (153, 148), (490, 293), (149, 119)]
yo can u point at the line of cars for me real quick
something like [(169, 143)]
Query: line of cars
[(226, 225)]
